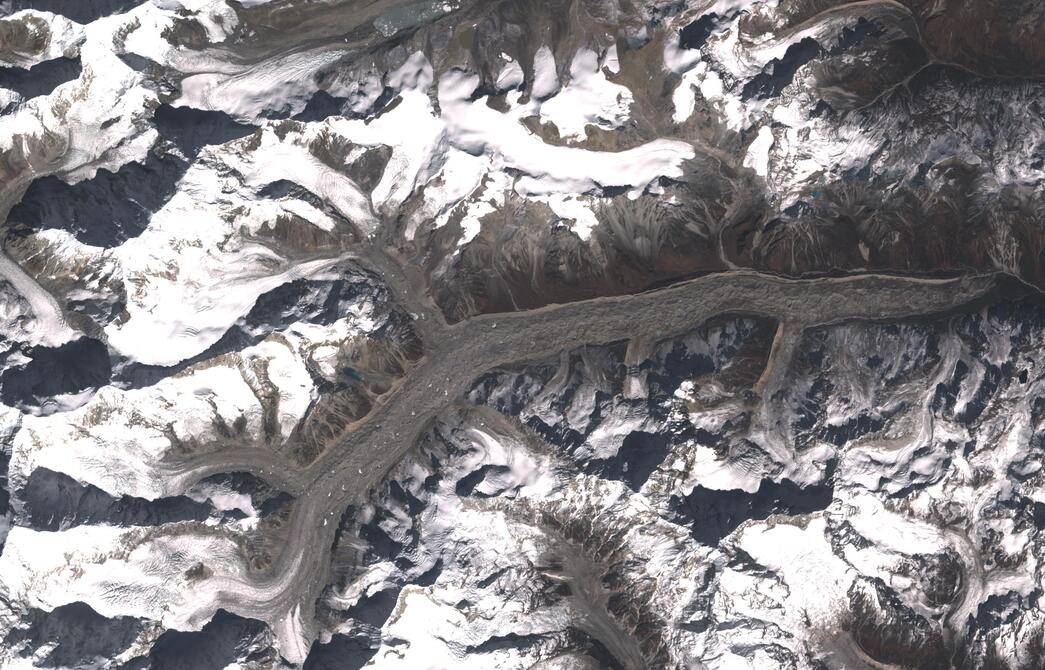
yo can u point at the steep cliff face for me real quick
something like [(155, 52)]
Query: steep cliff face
[(542, 334)]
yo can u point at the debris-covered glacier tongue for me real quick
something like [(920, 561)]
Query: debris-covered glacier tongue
[(544, 334)]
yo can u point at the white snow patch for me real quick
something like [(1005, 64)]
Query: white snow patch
[(589, 98), (610, 60), (477, 129), (49, 327), (120, 439), (460, 176), (283, 83), (677, 59), (510, 77), (817, 581), (545, 78), (118, 572), (757, 157), (574, 208)]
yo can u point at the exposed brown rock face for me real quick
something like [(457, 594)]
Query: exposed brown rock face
[(992, 38)]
